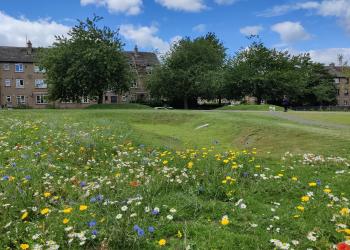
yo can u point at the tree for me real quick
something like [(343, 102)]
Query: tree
[(268, 74), (189, 70), (86, 63)]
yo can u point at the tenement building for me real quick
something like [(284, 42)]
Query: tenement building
[(342, 82), (22, 82)]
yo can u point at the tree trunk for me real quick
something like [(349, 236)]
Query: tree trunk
[(220, 100), (185, 102), (100, 98)]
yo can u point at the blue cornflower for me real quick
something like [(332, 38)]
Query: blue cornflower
[(155, 212), (94, 232), (13, 164), (151, 229), (82, 183), (6, 178), (93, 200), (99, 197), (136, 228), (319, 182), (245, 174), (140, 232), (92, 223), (27, 177)]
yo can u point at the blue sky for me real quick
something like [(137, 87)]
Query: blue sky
[(321, 27)]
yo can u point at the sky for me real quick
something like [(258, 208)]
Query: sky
[(319, 27)]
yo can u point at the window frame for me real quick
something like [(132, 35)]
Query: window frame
[(21, 69), (21, 102), (6, 67), (9, 99), (43, 99), (7, 82), (19, 86), (37, 86)]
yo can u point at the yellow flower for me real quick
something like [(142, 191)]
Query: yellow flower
[(225, 161), (234, 166), (190, 165), (257, 166), (24, 215), (67, 210), (225, 221), (327, 190), (312, 184), (345, 211), (83, 207), (294, 178), (165, 162), (296, 216), (162, 242), (301, 208), (47, 194), (45, 211), (179, 234), (305, 198), (65, 221), (24, 246), (280, 175)]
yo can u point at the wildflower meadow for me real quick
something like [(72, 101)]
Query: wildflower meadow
[(72, 184)]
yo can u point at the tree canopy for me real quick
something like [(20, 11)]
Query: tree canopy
[(190, 70), (86, 63), (269, 74)]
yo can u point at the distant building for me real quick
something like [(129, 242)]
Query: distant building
[(22, 83), (342, 82)]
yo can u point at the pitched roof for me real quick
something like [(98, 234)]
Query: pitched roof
[(20, 55)]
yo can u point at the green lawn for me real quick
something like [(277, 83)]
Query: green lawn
[(119, 106), (251, 107), (138, 179)]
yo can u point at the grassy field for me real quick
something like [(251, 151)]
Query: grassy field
[(251, 107), (151, 179)]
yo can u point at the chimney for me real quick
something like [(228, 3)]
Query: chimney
[(29, 47), (136, 49)]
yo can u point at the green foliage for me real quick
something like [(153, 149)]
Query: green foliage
[(190, 70), (270, 74), (88, 62)]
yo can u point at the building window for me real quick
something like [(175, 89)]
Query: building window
[(346, 92), (346, 103), (7, 82), (85, 100), (38, 70), (21, 100), (19, 83), (338, 92), (41, 99), (8, 99), (149, 69), (40, 84), (106, 98), (336, 80), (124, 98), (6, 66), (19, 67)]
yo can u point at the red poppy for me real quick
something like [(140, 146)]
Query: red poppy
[(343, 246), (134, 183)]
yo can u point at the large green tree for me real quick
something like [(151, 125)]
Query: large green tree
[(190, 70), (86, 63), (269, 74)]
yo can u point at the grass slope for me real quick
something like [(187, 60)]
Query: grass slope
[(135, 179), (250, 107)]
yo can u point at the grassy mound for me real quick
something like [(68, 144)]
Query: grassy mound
[(250, 107), (119, 106)]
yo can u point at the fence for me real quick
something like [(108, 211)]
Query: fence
[(322, 108)]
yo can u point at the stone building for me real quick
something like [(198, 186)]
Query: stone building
[(342, 82), (22, 83)]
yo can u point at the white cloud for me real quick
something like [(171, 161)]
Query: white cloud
[(251, 30), (129, 7), (291, 32), (41, 32), (339, 9), (146, 37), (325, 56), (183, 5), (225, 2), (200, 28)]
